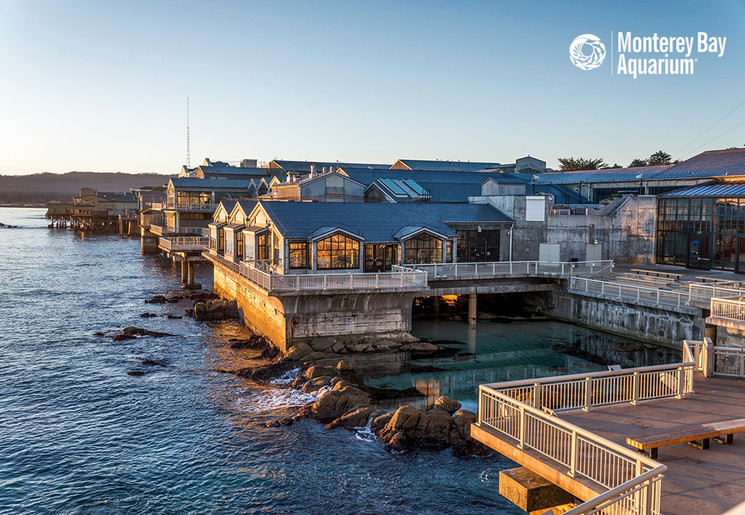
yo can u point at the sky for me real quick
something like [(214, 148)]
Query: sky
[(102, 85)]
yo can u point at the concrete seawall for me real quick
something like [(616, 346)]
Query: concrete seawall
[(289, 317), (664, 326)]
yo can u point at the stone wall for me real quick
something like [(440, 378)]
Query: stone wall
[(643, 322)]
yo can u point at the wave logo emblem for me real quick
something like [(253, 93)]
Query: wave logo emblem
[(587, 52)]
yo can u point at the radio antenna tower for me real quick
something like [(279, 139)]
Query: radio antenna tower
[(188, 155)]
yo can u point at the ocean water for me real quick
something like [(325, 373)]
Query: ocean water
[(80, 435)]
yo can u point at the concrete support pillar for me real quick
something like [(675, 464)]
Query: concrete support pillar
[(189, 273), (436, 305), (472, 308), (183, 272)]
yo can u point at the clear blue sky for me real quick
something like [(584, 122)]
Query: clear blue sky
[(102, 85)]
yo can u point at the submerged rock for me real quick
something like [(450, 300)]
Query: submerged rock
[(157, 299), (352, 418), (215, 310), (136, 373), (133, 332), (147, 315)]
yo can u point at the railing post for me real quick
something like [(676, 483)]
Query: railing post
[(493, 268), (402, 280), (480, 414), (635, 387), (681, 383), (377, 281), (455, 270), (510, 267), (521, 441), (325, 281), (588, 393), (297, 283), (573, 455), (537, 395), (658, 297)]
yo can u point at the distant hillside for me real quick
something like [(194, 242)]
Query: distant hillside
[(41, 188)]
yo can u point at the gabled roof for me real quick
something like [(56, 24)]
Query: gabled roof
[(115, 196), (227, 204), (442, 166), (595, 176), (373, 221)]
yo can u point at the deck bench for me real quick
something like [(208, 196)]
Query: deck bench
[(655, 273), (722, 431)]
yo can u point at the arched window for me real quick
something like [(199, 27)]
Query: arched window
[(423, 248), (337, 251)]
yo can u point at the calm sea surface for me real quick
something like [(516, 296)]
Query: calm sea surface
[(80, 435)]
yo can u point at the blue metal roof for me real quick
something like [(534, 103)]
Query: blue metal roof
[(447, 166), (596, 176), (710, 190), (374, 221), (712, 163), (304, 166)]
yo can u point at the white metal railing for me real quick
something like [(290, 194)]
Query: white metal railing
[(729, 361), (633, 481), (183, 243), (701, 291), (729, 308), (193, 206), (374, 281), (442, 271), (158, 206), (321, 282), (628, 292)]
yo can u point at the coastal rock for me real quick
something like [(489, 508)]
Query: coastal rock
[(378, 423), (405, 417), (270, 352), (152, 362), (339, 384), (353, 418), (157, 299), (345, 366), (322, 344), (267, 372), (316, 384), (448, 404), (317, 371), (434, 425), (298, 351), (314, 356), (147, 315), (136, 373), (333, 404), (133, 332), (338, 347), (423, 348), (219, 309), (254, 342), (463, 420), (173, 317), (287, 421)]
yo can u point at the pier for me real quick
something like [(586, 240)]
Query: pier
[(573, 431)]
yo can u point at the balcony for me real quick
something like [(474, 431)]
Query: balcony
[(189, 207), (183, 244), (443, 271), (279, 284)]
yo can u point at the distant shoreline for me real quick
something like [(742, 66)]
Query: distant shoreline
[(29, 206)]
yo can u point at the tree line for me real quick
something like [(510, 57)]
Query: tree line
[(571, 164)]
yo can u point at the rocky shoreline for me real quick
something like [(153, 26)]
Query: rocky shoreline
[(329, 368)]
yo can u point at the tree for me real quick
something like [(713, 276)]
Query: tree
[(638, 162), (571, 164), (659, 158)]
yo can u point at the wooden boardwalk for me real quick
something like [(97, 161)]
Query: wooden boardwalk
[(698, 482)]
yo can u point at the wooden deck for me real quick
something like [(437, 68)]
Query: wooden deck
[(699, 482)]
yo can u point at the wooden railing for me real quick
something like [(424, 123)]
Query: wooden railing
[(522, 411), (183, 243), (628, 292), (443, 271)]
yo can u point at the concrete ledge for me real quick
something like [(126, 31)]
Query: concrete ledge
[(581, 488), (529, 491)]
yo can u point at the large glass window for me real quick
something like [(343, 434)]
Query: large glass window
[(298, 254), (337, 251), (423, 249), (194, 197), (261, 246), (239, 245)]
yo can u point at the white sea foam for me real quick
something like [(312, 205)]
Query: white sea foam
[(287, 377), (271, 400)]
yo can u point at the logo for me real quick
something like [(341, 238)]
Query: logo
[(587, 52)]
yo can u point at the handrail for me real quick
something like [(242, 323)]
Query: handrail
[(729, 308), (183, 243), (707, 291), (624, 291), (442, 271), (629, 476), (516, 409)]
